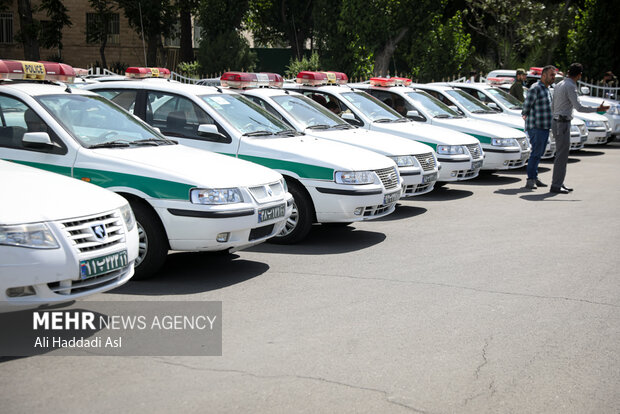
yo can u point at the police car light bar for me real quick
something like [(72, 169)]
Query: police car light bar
[(141, 73), (275, 79), (401, 81), (535, 71), (337, 77), (384, 82), (23, 69), (500, 80), (244, 80), (310, 78)]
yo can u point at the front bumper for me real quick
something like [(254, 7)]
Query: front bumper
[(190, 228), (459, 169), (577, 142), (504, 159), (598, 136), (417, 182)]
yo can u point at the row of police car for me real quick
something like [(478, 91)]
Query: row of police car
[(214, 168)]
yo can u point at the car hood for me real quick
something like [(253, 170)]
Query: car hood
[(589, 116), (182, 164), (33, 195), (479, 128), (380, 142), (430, 134)]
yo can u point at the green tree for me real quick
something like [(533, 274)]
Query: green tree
[(595, 40), (222, 47), (186, 9), (441, 52), (156, 17), (100, 29), (51, 32), (274, 22)]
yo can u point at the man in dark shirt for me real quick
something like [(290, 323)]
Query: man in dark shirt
[(537, 114), (516, 89)]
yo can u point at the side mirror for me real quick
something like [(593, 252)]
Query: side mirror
[(210, 130), (350, 118), (494, 106), (585, 90), (38, 140), (415, 115)]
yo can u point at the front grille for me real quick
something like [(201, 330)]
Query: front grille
[(517, 163), (388, 177), (267, 192), (474, 150), (83, 233), (523, 143), (576, 145), (260, 232), (461, 174), (427, 161), (72, 287), (372, 211), (409, 190)]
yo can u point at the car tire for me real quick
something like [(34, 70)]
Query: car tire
[(153, 242), (299, 224)]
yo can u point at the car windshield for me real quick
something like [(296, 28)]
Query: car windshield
[(307, 112), (374, 109), (244, 115), (434, 107), (95, 121), (506, 99), (469, 102)]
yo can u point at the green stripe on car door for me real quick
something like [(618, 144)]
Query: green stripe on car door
[(302, 170)]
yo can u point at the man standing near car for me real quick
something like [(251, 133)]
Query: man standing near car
[(537, 114), (516, 89), (564, 101)]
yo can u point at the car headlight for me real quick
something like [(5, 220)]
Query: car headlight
[(34, 236), (574, 128), (504, 142), (128, 217), (355, 177), (450, 149), (595, 124), (214, 196), (404, 160)]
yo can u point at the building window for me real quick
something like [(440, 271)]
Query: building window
[(92, 21), (6, 27)]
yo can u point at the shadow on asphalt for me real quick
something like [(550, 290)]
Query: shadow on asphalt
[(403, 212), (326, 240), (588, 153), (547, 196), (490, 179), (444, 193), (194, 272)]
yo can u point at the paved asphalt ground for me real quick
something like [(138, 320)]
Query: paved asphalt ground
[(481, 297)]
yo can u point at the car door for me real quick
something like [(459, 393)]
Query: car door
[(17, 119)]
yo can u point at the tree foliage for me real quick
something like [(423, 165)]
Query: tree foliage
[(100, 28), (595, 39), (222, 47), (51, 32)]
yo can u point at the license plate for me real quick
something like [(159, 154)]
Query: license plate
[(429, 178), (391, 198), (584, 139), (476, 164), (271, 213), (104, 264)]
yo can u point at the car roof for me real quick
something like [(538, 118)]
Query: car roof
[(40, 88), (162, 85)]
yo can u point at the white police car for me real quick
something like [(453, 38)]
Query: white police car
[(183, 198), (330, 182), (416, 162), (60, 239), (461, 156)]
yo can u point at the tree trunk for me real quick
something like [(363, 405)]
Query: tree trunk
[(151, 50), (28, 31), (102, 51), (383, 56), (186, 53)]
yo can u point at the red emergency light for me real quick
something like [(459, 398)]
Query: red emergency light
[(21, 69), (401, 81), (339, 78), (275, 79), (499, 80), (141, 72), (59, 71), (310, 78), (535, 71), (384, 82), (239, 80)]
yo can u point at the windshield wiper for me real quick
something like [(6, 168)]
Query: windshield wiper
[(288, 132), (342, 126), (402, 120), (257, 133), (442, 116), (112, 144), (482, 111), (319, 126), (383, 120), (155, 141)]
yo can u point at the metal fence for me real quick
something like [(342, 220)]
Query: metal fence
[(601, 90)]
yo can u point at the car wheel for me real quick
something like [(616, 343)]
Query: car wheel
[(299, 224), (153, 242)]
